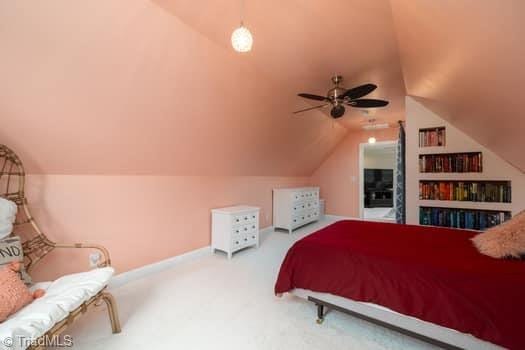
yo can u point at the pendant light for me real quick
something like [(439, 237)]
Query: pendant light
[(242, 39)]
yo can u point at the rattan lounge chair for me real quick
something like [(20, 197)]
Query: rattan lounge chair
[(36, 245)]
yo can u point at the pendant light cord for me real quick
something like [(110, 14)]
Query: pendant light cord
[(242, 12)]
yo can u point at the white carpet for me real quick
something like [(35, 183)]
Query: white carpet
[(213, 303)]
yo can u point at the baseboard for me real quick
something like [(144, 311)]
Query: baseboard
[(146, 270), (267, 229)]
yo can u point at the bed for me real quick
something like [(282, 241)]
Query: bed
[(428, 282)]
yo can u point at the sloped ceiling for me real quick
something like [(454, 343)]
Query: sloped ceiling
[(465, 61), (153, 86), (149, 87)]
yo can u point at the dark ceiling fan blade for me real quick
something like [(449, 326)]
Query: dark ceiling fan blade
[(359, 91), (367, 103), (337, 111), (309, 109), (313, 97)]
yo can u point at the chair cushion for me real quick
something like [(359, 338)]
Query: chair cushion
[(62, 296)]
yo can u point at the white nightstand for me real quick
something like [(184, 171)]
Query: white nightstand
[(234, 228)]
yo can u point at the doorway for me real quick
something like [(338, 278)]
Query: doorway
[(377, 168)]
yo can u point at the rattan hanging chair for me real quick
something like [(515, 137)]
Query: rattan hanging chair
[(36, 245)]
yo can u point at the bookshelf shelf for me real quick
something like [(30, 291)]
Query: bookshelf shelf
[(465, 205), (460, 162), (483, 191), (432, 137), (460, 217)]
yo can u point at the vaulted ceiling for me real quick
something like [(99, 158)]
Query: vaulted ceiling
[(153, 87), (465, 59)]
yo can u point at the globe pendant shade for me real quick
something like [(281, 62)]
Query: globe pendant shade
[(242, 39)]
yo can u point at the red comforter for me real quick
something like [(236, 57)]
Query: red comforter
[(434, 274)]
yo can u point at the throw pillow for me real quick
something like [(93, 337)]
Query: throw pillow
[(505, 240), (14, 294), (8, 211), (11, 251)]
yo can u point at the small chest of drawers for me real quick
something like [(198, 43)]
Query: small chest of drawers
[(295, 207), (234, 228)]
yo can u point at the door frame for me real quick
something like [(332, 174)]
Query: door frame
[(361, 194)]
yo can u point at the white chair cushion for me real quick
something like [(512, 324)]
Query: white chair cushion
[(62, 296)]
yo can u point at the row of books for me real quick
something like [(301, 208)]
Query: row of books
[(462, 218), (432, 137), (451, 163), (465, 191)]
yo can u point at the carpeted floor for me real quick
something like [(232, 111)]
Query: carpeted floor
[(213, 303)]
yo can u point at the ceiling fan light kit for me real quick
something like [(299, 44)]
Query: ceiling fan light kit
[(338, 97)]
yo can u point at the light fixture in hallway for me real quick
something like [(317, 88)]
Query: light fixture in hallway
[(371, 126), (242, 39)]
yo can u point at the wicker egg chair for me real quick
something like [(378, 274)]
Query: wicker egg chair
[(36, 245)]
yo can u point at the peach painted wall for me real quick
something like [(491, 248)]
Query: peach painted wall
[(338, 175), (140, 219)]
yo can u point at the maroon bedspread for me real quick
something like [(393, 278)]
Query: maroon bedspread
[(434, 274)]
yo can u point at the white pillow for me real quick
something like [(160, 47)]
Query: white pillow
[(8, 211)]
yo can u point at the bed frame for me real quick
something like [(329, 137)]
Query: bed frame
[(439, 336), (36, 245)]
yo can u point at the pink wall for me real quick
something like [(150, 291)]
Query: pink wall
[(140, 219), (338, 175)]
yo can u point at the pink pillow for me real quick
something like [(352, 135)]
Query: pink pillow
[(505, 240), (14, 294)]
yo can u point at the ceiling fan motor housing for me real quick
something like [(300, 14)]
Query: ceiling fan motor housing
[(337, 111)]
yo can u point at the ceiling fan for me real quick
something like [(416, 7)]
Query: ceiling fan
[(338, 97)]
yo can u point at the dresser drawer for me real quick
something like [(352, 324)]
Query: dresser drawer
[(311, 204), (298, 207), (242, 229), (298, 220), (244, 239), (244, 218)]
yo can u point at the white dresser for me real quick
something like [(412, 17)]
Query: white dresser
[(234, 228), (294, 207)]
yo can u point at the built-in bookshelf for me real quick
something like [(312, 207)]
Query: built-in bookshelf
[(461, 202), (473, 219), (432, 137), (470, 191), (463, 162), (462, 176)]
